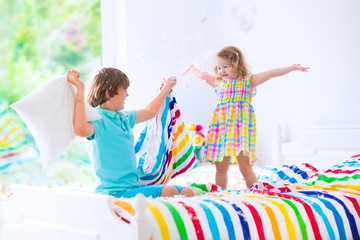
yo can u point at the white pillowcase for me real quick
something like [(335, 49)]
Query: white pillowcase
[(48, 113)]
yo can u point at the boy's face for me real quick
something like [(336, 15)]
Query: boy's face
[(224, 68), (118, 100)]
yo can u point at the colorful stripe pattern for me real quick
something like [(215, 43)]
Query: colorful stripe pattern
[(164, 149), (14, 139), (286, 174), (345, 174), (258, 215), (300, 212)]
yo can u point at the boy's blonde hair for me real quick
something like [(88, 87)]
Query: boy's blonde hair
[(107, 79), (236, 58)]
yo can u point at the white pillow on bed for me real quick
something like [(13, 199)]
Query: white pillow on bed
[(48, 113)]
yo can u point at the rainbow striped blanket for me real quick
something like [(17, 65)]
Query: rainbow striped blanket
[(15, 144), (324, 207), (164, 149)]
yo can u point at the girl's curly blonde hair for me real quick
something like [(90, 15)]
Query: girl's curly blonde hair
[(237, 60), (107, 79)]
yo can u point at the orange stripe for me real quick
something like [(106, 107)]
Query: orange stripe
[(178, 131), (125, 205)]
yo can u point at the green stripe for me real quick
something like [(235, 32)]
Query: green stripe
[(299, 218), (177, 219), (301, 221), (200, 186), (183, 158), (326, 179), (332, 179)]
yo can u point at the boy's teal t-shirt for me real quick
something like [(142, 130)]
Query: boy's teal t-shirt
[(112, 151)]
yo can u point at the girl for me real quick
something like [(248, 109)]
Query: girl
[(232, 127), (111, 137)]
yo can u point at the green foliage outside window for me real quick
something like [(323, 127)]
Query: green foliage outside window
[(43, 39)]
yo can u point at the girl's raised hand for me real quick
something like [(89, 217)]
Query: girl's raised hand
[(187, 70), (299, 67)]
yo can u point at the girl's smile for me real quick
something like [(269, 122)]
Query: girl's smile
[(224, 69)]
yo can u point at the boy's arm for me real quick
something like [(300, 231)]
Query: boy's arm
[(260, 78), (82, 127), (154, 106), (208, 78)]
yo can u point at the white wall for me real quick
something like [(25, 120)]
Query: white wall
[(162, 37)]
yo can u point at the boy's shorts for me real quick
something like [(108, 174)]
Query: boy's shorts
[(148, 191)]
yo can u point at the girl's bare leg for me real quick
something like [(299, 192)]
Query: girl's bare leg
[(246, 170), (221, 176)]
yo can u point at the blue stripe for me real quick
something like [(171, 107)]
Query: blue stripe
[(212, 222), (162, 157), (141, 139), (298, 171), (226, 217), (243, 221), (329, 205), (283, 176)]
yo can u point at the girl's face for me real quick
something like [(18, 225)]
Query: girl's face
[(224, 69), (117, 102)]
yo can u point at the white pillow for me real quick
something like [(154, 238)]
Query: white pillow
[(48, 113)]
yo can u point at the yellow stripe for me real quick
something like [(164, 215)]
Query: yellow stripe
[(5, 138), (272, 217), (178, 131), (352, 187), (289, 226), (165, 234), (5, 125), (6, 144), (181, 145), (336, 188)]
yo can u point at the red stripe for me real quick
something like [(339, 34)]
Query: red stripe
[(307, 208), (122, 218), (10, 155), (173, 119), (337, 171), (257, 219), (185, 168), (314, 169), (214, 188), (355, 203), (284, 189), (195, 220), (268, 185), (169, 158)]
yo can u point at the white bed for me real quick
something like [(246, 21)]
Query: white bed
[(63, 213), (320, 146)]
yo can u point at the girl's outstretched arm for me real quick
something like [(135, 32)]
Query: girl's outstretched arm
[(209, 79), (154, 106), (82, 127), (260, 78)]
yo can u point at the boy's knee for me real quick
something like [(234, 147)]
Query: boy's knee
[(188, 192), (169, 191)]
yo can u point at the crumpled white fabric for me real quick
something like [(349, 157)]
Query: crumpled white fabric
[(48, 113)]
